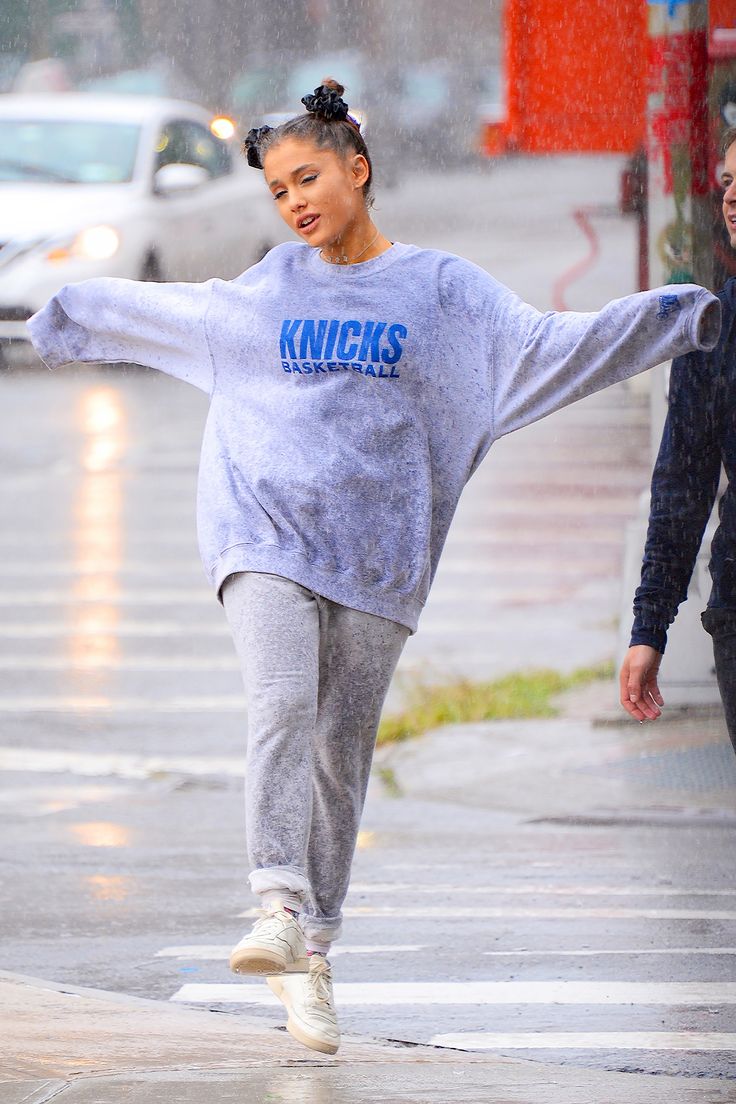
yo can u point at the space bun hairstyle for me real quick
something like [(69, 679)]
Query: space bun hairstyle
[(326, 123)]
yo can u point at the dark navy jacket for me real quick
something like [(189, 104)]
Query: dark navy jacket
[(699, 435)]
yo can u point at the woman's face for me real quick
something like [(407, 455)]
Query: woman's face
[(318, 193)]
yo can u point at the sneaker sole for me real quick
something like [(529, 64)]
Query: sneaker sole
[(261, 963), (293, 1026)]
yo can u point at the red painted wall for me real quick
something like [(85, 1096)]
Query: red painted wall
[(576, 75)]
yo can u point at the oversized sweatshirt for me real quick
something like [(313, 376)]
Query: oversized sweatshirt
[(349, 405), (699, 436)]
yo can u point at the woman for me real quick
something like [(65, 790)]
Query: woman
[(356, 384)]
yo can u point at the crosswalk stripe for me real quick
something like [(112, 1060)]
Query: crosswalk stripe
[(488, 588), (445, 598), (224, 703), (124, 663), (485, 912), (454, 572), (221, 953), (603, 952), (50, 569), (533, 889), (685, 994), (153, 596), (691, 1041), (34, 630), (100, 764), (438, 622)]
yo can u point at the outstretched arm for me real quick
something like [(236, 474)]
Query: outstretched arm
[(542, 362), (107, 320)]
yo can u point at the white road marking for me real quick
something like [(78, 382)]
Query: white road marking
[(224, 703), (629, 952), (126, 663), (153, 596), (543, 889), (201, 594), (102, 764), (37, 569), (691, 1041), (441, 625), (203, 952), (683, 993), (35, 629), (220, 953), (452, 587), (483, 912)]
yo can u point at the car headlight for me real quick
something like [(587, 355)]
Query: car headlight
[(95, 243), (222, 127)]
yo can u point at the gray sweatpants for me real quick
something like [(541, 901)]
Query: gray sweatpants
[(316, 676)]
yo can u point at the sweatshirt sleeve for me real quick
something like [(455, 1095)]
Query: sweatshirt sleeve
[(542, 362), (684, 487), (107, 320)]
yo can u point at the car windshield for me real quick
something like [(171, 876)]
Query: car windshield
[(72, 151)]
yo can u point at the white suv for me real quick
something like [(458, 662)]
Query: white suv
[(119, 185)]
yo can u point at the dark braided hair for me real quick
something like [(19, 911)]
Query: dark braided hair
[(326, 124)]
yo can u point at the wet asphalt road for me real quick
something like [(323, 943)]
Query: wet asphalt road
[(122, 738)]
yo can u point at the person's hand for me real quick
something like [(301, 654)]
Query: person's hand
[(640, 694)]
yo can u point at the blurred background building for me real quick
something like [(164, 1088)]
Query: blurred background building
[(423, 79)]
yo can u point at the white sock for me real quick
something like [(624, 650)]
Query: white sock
[(281, 898), (315, 947)]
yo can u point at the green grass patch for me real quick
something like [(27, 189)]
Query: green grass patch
[(526, 694)]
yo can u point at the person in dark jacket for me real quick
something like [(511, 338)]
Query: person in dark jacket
[(698, 438)]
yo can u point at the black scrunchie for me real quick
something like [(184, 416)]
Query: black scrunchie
[(252, 144), (326, 103)]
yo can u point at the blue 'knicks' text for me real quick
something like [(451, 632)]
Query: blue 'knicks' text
[(310, 346)]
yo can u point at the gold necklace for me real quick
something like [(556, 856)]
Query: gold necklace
[(344, 259)]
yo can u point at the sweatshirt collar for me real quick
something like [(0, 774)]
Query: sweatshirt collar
[(328, 271)]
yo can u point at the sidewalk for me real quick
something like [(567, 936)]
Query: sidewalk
[(590, 764), (85, 1047)]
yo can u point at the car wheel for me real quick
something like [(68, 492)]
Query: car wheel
[(151, 269)]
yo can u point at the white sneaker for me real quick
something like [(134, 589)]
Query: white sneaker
[(274, 946), (311, 1006)]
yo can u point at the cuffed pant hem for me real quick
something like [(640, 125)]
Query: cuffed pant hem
[(321, 929), (288, 878)]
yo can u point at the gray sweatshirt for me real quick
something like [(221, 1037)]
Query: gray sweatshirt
[(351, 404)]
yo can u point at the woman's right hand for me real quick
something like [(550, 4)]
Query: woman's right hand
[(640, 694)]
